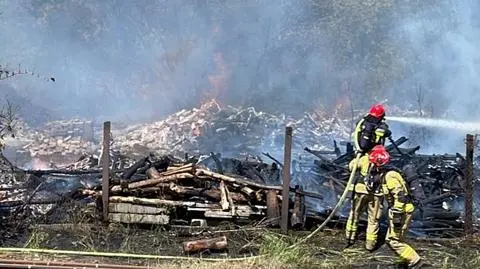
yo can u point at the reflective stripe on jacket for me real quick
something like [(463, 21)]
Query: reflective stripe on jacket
[(397, 193)]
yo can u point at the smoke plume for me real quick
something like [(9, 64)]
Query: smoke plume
[(132, 60)]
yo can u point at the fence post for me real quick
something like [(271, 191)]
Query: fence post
[(287, 157), (469, 186), (106, 168)]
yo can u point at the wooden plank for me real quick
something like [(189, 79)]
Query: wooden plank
[(139, 218), (105, 168), (286, 177), (136, 209)]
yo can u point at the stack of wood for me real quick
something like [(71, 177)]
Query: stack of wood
[(153, 188), (441, 177)]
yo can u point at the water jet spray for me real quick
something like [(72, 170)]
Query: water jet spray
[(438, 123)]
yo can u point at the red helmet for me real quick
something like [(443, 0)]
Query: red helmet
[(377, 111), (379, 156)]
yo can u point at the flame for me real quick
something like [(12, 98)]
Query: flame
[(196, 129), (218, 81), (38, 164)]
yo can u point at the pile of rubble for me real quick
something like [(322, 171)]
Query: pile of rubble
[(218, 187), (210, 128), (62, 137), (230, 130)]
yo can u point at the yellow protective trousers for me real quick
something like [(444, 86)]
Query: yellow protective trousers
[(373, 205), (396, 234)]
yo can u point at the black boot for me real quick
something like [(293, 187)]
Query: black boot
[(349, 243)]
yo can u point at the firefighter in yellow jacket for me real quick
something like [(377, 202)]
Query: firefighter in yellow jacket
[(371, 130), (366, 195), (400, 205)]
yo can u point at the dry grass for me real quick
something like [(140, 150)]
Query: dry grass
[(323, 251)]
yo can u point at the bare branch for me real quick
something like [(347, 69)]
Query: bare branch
[(6, 73)]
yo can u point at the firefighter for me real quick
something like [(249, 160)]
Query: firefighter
[(371, 130), (400, 206), (365, 195)]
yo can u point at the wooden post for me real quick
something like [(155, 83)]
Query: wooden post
[(273, 211), (106, 168), (469, 185), (287, 157)]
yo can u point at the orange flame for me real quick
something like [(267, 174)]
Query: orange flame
[(217, 81)]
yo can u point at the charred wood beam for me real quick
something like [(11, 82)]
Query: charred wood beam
[(129, 172), (273, 159)]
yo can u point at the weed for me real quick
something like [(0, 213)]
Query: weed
[(36, 239), (277, 249)]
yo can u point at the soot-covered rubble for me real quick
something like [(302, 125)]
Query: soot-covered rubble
[(217, 188)]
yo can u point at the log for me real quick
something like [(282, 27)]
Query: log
[(157, 202), (246, 184), (183, 191), (154, 181), (153, 173), (223, 196), (129, 172), (215, 194), (188, 168), (218, 243), (229, 179)]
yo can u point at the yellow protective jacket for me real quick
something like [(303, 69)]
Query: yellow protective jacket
[(367, 134), (362, 167), (397, 192), (394, 186)]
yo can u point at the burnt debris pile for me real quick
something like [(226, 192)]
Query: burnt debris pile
[(171, 171), (165, 189), (440, 211)]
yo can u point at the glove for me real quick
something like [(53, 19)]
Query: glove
[(388, 133)]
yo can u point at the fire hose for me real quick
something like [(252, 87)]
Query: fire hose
[(337, 207)]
